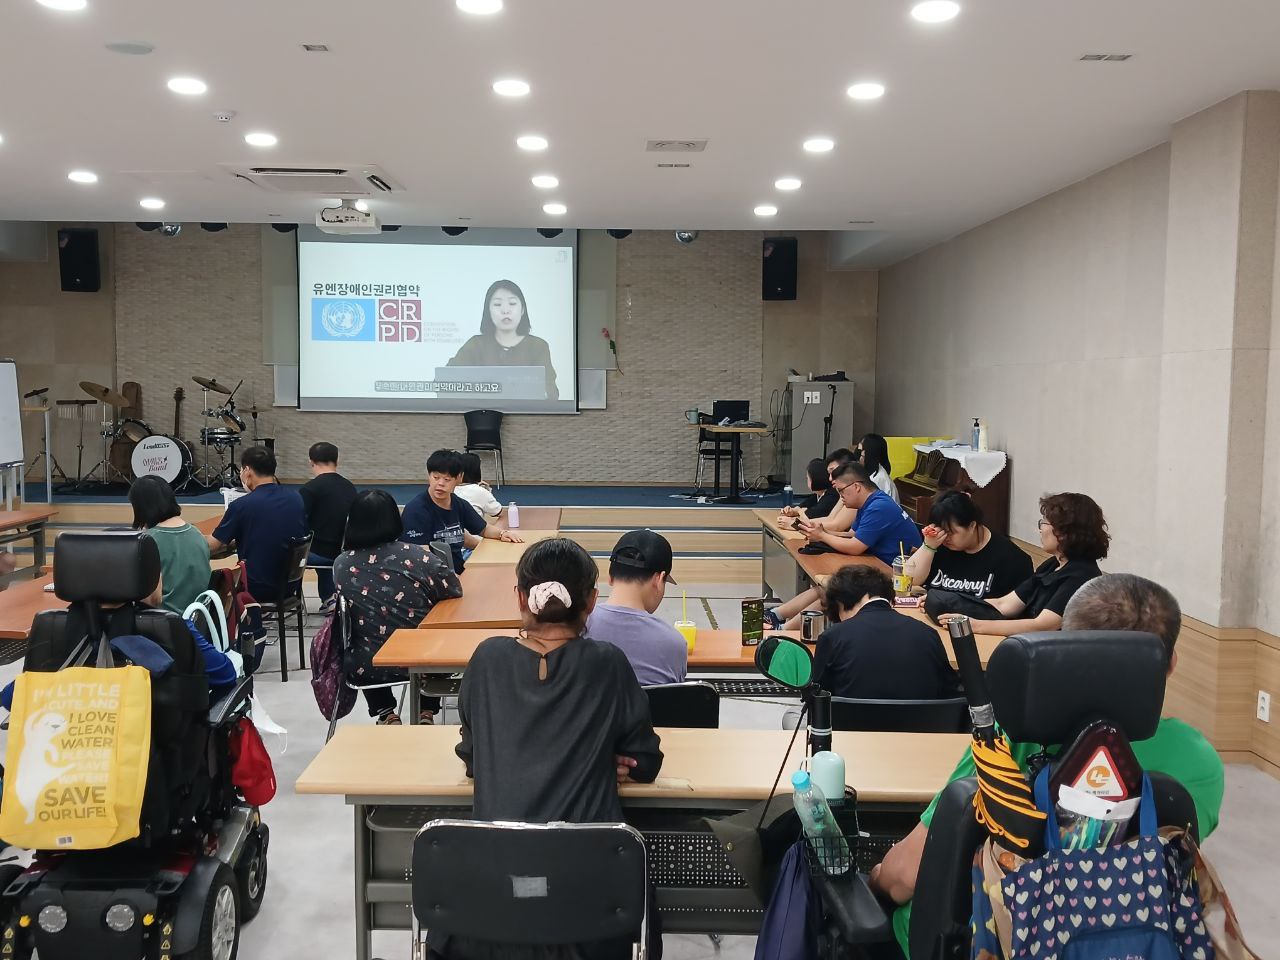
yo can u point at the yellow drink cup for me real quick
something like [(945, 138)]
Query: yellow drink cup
[(689, 630)]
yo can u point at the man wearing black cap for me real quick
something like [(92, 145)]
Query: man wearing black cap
[(639, 571)]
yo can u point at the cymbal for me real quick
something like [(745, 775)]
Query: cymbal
[(212, 385), (104, 394)]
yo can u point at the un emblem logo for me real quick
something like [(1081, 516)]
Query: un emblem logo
[(343, 318)]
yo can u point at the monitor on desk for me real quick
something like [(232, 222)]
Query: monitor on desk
[(735, 410)]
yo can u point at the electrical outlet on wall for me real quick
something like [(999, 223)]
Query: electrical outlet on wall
[(812, 396), (1264, 706)]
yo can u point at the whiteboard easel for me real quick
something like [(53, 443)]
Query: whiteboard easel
[(12, 460)]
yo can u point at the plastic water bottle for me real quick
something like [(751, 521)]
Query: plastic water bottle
[(513, 516), (786, 495), (824, 836)]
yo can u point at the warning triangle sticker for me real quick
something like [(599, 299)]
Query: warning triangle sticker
[(1098, 777)]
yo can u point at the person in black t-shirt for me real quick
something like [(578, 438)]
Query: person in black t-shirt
[(327, 498), (872, 651), (828, 500), (962, 555), (822, 499), (438, 515), (1073, 529)]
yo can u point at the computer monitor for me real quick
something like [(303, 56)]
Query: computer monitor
[(735, 410)]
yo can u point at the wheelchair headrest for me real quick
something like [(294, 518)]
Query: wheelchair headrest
[(1046, 687), (109, 567)]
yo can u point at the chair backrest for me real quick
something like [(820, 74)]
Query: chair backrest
[(295, 564), (105, 567), (538, 884), (692, 704), (907, 716), (943, 898), (484, 429)]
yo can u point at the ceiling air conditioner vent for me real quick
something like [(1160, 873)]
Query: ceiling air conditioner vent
[(674, 166), (1106, 57), (675, 146), (351, 180)]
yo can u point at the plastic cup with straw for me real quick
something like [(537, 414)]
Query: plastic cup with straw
[(901, 579), (687, 628)]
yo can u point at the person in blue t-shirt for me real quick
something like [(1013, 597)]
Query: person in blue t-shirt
[(882, 529), (261, 525), (437, 515)]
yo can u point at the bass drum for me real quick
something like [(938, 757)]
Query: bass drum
[(120, 456), (162, 456)]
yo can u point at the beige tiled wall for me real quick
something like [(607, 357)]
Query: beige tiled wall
[(689, 320)]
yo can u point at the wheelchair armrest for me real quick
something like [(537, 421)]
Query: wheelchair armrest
[(852, 909), (228, 707)]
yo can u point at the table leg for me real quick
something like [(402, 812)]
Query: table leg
[(735, 480), (38, 548), (716, 490), (364, 936), (415, 701)]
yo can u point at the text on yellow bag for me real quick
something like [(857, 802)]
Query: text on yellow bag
[(76, 764)]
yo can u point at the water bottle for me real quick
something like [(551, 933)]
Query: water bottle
[(786, 495), (513, 516), (820, 828)]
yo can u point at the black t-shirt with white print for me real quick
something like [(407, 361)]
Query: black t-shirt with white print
[(993, 571)]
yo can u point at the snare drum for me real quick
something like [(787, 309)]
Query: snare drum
[(231, 420), (165, 457), (136, 430), (218, 437)]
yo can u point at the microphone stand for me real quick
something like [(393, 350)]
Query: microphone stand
[(827, 422)]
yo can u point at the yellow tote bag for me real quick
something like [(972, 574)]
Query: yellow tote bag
[(76, 765)]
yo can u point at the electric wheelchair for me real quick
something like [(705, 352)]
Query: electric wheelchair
[(198, 868)]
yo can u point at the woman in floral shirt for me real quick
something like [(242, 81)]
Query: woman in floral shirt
[(387, 585)]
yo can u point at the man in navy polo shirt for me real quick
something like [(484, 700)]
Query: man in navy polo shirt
[(262, 524), (438, 515), (882, 528)]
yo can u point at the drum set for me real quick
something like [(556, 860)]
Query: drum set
[(132, 449)]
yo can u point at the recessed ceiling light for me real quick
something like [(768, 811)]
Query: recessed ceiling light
[(935, 11), (82, 176), (555, 209), (866, 91), (64, 5), (531, 142), (787, 183), (510, 88), (479, 7), (261, 139), (766, 210), (151, 203), (188, 86), (544, 181), (819, 144), (133, 48), (362, 206)]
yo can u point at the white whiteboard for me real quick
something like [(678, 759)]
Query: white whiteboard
[(10, 416)]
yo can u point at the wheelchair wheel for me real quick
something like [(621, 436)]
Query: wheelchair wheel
[(251, 875), (220, 926)]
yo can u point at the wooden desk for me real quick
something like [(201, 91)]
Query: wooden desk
[(383, 772), (735, 452), (987, 642), (532, 518), (20, 603), (488, 600), (208, 525), (820, 566), (769, 520), (26, 524), (499, 551)]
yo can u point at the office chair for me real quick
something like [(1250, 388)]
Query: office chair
[(542, 885)]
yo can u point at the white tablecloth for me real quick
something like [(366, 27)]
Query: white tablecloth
[(981, 465)]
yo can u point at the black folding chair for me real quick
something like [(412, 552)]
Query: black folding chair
[(343, 632), (289, 601), (543, 885), (907, 716), (484, 434), (695, 703)]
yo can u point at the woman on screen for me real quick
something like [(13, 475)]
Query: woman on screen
[(504, 339)]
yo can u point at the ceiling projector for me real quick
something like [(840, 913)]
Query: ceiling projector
[(345, 219)]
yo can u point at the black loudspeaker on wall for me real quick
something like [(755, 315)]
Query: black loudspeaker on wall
[(78, 260), (778, 273)]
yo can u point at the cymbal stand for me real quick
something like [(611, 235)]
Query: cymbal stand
[(203, 471), (74, 410), (52, 468), (108, 431)]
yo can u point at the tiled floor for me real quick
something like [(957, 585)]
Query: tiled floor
[(307, 911)]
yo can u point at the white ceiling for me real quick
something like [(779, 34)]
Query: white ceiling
[(981, 115)]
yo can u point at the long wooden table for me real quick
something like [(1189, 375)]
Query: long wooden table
[(500, 552), (397, 778), (28, 523), (819, 567), (20, 603), (531, 518), (488, 600)]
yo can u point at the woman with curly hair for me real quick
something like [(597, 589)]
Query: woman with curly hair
[(1074, 531)]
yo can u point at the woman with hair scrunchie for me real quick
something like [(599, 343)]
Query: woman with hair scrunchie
[(552, 721)]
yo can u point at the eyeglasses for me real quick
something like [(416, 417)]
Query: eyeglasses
[(1042, 523), (845, 487)]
